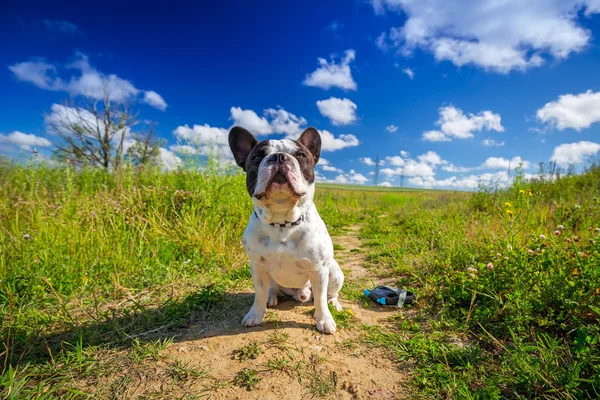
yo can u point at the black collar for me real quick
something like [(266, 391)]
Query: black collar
[(286, 224)]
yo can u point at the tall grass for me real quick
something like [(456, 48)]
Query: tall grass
[(514, 273)]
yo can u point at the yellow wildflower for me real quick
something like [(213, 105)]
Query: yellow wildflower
[(522, 191), (509, 212), (507, 204)]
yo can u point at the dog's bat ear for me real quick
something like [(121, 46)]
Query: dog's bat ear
[(241, 143), (311, 139)]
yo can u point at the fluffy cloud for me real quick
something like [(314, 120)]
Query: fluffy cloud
[(339, 111), (381, 42), (170, 161), (499, 178), (455, 124), (90, 82), (331, 143), (431, 157), (503, 163), (22, 140), (368, 161), (454, 168), (251, 121), (155, 100), (496, 36), (396, 161), (435, 136), (491, 143), (331, 168), (391, 128), (352, 177), (202, 134), (385, 184), (574, 153), (331, 74), (409, 72), (572, 111), (274, 121), (285, 122), (202, 140)]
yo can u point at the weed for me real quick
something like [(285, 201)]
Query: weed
[(247, 378), (250, 351)]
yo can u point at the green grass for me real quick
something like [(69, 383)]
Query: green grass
[(251, 351), (508, 290), (98, 271), (247, 378)]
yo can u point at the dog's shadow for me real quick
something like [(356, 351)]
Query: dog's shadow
[(191, 318)]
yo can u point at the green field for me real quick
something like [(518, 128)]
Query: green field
[(93, 264)]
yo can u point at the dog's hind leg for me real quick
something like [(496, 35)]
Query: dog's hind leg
[(274, 291)]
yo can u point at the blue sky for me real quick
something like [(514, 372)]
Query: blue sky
[(447, 94)]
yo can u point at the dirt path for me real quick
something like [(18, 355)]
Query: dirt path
[(290, 359)]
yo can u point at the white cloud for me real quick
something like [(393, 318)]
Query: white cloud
[(202, 134), (411, 168), (454, 168), (431, 157), (90, 82), (396, 161), (331, 74), (155, 100), (40, 73), (503, 163), (455, 124), (409, 72), (574, 153), (170, 161), (385, 184), (491, 143), (331, 143), (331, 168), (391, 128), (499, 178), (202, 140), (285, 122), (368, 161), (435, 136), (498, 36), (251, 121), (381, 42), (23, 140), (572, 111), (339, 111), (351, 177)]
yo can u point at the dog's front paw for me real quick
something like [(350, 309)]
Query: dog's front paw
[(253, 318), (335, 303), (326, 324), (273, 301)]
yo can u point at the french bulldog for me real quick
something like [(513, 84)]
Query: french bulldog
[(286, 239)]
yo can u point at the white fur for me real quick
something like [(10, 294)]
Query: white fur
[(292, 259)]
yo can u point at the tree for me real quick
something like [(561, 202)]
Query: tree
[(96, 132), (145, 150)]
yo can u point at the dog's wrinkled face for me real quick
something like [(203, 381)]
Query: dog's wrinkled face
[(279, 173)]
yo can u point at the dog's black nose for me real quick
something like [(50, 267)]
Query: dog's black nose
[(279, 158)]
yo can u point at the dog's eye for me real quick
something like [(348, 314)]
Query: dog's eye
[(300, 155), (256, 157)]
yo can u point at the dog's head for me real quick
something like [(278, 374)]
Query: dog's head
[(279, 173)]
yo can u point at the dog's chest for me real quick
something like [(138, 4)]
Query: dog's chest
[(290, 255)]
